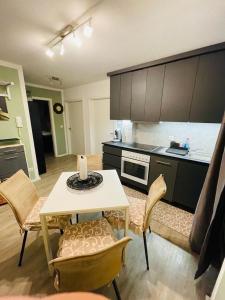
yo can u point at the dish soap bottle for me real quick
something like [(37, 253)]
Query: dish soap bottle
[(187, 144)]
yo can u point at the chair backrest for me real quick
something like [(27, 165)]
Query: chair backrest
[(89, 272), (21, 195), (156, 192)]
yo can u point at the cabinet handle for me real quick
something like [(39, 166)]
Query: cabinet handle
[(163, 163), (12, 157)]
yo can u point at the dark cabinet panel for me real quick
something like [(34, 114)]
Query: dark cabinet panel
[(209, 95), (189, 182), (138, 95), (154, 89), (112, 160), (115, 97), (167, 167), (109, 167), (178, 90), (125, 96), (112, 150)]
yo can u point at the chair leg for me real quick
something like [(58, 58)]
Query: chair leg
[(103, 215), (146, 250), (22, 248), (77, 218), (149, 229), (116, 289), (71, 223)]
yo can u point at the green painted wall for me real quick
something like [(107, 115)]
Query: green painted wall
[(8, 129), (56, 96)]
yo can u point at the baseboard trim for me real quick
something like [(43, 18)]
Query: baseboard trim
[(60, 155)]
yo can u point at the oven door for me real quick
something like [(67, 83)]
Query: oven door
[(135, 170)]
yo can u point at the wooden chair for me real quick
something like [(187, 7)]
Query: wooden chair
[(89, 257), (22, 197), (139, 212)]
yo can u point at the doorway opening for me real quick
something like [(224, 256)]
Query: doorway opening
[(41, 117)]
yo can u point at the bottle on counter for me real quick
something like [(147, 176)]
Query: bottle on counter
[(186, 144)]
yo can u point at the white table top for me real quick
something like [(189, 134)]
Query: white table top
[(108, 195)]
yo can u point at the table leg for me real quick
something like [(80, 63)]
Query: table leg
[(48, 250)]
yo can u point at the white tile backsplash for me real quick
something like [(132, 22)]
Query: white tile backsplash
[(202, 136)]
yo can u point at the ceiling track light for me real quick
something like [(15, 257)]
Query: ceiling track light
[(62, 50), (86, 28)]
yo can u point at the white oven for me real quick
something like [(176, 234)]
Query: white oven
[(135, 166)]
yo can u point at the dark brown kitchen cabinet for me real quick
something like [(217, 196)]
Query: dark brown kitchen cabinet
[(178, 90), (138, 95), (154, 89), (208, 102), (125, 96), (115, 97), (189, 182), (167, 167)]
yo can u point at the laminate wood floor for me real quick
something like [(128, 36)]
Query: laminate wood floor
[(171, 268)]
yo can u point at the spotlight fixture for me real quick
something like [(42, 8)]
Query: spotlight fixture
[(67, 31), (88, 30), (77, 40), (49, 52), (62, 50)]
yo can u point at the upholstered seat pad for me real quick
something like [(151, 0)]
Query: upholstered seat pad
[(86, 238), (136, 215), (33, 219)]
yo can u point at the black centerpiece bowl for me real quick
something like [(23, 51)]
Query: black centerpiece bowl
[(94, 179)]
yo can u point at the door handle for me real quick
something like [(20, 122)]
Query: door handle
[(163, 163), (12, 157)]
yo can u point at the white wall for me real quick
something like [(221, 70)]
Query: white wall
[(202, 136), (86, 92)]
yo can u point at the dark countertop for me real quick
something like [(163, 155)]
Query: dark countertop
[(158, 150)]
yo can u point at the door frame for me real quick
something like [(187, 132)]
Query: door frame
[(68, 131), (50, 107)]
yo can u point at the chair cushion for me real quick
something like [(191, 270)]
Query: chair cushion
[(32, 221), (86, 238), (136, 216)]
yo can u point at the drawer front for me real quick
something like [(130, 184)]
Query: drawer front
[(112, 150), (108, 167), (11, 150), (11, 163), (167, 167), (112, 160)]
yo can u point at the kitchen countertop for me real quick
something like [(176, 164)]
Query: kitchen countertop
[(158, 150)]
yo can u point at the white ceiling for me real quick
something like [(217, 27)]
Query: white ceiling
[(126, 32)]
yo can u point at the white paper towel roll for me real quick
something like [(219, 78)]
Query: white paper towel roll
[(82, 167)]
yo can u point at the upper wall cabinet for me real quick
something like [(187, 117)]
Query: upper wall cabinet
[(138, 95), (209, 95), (115, 97), (178, 90), (188, 87), (125, 95), (154, 89)]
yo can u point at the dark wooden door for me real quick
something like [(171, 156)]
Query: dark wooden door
[(178, 90), (138, 95), (189, 182), (115, 97), (209, 95), (154, 88), (37, 136), (167, 167), (125, 96)]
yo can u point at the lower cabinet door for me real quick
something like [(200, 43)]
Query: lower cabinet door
[(108, 167), (189, 182), (167, 167)]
